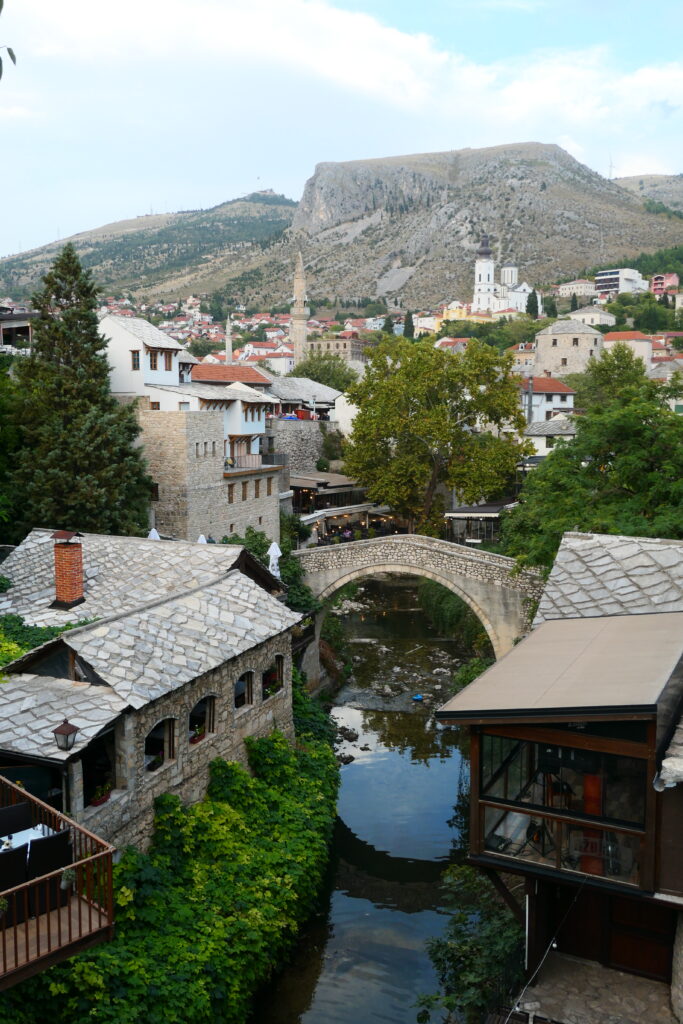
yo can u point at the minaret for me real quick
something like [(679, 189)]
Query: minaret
[(228, 340), (484, 278), (300, 312)]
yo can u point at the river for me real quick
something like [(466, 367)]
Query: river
[(363, 956)]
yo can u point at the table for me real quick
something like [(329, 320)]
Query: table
[(27, 834)]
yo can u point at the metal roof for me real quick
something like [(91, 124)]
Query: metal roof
[(142, 330)]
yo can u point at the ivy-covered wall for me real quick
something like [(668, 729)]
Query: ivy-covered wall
[(212, 909)]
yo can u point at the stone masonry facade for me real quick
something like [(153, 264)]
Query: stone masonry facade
[(185, 456), (301, 440), (127, 817)]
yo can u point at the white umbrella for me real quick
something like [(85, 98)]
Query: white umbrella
[(201, 539), (273, 558), (153, 534)]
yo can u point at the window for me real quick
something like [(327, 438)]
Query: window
[(232, 527), (196, 450), (206, 448), (554, 343), (244, 690), (153, 360), (168, 360), (231, 494), (549, 442), (548, 398), (155, 406), (183, 406), (245, 487), (563, 398), (563, 362), (202, 719), (272, 680), (135, 360), (575, 342), (155, 492), (260, 520), (269, 486), (257, 488), (213, 447), (549, 414), (160, 745)]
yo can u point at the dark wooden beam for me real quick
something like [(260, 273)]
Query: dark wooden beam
[(503, 891)]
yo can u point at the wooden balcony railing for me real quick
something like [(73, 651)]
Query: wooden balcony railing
[(51, 917)]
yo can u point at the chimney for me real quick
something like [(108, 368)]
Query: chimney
[(68, 570)]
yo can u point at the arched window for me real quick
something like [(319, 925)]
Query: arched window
[(244, 690), (202, 718), (272, 680), (160, 745)]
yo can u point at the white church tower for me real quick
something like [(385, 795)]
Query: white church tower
[(484, 278)]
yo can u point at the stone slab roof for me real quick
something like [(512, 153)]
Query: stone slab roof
[(216, 392), (149, 652), (598, 574), (302, 389), (558, 426), (32, 706), (143, 331), (567, 327), (120, 573)]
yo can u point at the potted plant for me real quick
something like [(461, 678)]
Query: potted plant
[(101, 794), (198, 734), (68, 878)]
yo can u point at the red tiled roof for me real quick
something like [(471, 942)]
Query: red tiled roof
[(227, 374), (626, 336), (547, 386)]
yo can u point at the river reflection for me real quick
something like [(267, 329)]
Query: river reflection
[(364, 955)]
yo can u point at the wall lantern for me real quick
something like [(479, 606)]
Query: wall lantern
[(65, 735)]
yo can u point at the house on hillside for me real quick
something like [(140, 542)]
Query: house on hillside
[(542, 398), (187, 653), (594, 316), (566, 346), (544, 434), (577, 767)]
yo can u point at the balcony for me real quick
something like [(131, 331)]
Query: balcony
[(240, 463), (62, 898)]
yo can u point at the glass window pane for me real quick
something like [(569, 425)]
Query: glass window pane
[(601, 852)]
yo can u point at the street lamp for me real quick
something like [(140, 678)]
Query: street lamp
[(313, 397), (65, 735)]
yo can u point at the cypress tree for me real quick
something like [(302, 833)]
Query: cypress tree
[(574, 303), (77, 468), (408, 326), (549, 307), (388, 325), (532, 304)]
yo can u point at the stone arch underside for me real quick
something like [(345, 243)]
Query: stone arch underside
[(489, 584)]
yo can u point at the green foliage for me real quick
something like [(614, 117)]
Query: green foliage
[(388, 325), (479, 958), (574, 303), (451, 616), (468, 672), (532, 304), (326, 368), (310, 717), (17, 637), (322, 465), (5, 584), (77, 467), (614, 373), (333, 442), (550, 307), (201, 347), (299, 596), (655, 206), (622, 474), (416, 431), (377, 308), (255, 541), (408, 326), (206, 916)]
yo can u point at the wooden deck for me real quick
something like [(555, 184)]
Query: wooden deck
[(35, 944)]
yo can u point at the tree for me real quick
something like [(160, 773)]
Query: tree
[(612, 374), (388, 325), (574, 305), (550, 307), (327, 368), (532, 304), (408, 326), (420, 427), (623, 473), (78, 467)]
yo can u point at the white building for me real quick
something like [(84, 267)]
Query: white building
[(542, 398), (491, 296), (618, 280)]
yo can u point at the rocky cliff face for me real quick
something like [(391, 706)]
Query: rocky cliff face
[(663, 188), (409, 226)]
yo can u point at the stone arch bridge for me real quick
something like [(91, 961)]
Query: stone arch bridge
[(495, 589)]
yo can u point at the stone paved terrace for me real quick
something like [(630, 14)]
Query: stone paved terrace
[(597, 574), (573, 991)]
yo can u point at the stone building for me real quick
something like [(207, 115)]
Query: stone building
[(507, 295), (187, 655), (566, 346)]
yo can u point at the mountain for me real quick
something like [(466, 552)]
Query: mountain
[(168, 254), (661, 188), (405, 227)]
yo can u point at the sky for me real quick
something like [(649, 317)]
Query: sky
[(118, 109)]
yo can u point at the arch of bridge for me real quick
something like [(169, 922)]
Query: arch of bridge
[(492, 585)]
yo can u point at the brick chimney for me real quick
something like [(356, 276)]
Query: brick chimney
[(68, 570)]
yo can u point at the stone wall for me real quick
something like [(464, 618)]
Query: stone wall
[(184, 452), (496, 591), (565, 356), (127, 817), (301, 440)]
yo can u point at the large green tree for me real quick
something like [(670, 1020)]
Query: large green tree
[(78, 467), (327, 368), (614, 373), (429, 420), (623, 473)]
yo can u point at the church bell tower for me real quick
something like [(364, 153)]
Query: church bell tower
[(484, 278)]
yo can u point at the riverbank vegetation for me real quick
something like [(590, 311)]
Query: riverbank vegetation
[(212, 909)]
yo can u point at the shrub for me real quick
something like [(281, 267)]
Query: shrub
[(322, 465)]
